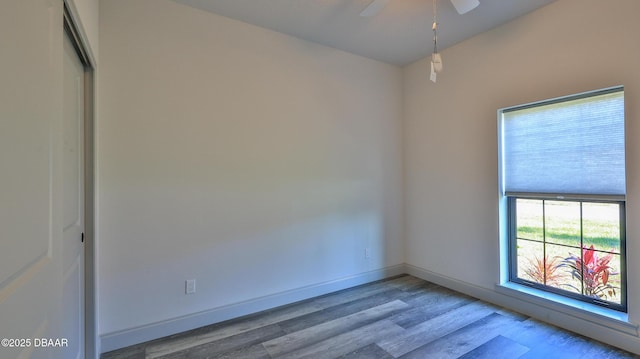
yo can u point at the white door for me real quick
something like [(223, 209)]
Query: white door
[(30, 176), (73, 202)]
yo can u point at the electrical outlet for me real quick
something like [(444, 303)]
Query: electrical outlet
[(190, 286), (367, 253)]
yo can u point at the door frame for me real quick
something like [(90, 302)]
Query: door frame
[(90, 293)]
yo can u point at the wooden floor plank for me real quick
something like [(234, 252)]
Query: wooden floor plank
[(132, 352), (515, 315), (435, 328), (215, 348), (574, 346), (497, 348), (532, 332), (338, 311), (346, 343), (463, 340), (311, 335), (429, 306), (352, 294), (256, 351), (608, 352), (371, 351), (406, 283)]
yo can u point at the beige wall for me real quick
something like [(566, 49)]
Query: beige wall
[(450, 129), (253, 162), (86, 17)]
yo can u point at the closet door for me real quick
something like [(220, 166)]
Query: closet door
[(31, 177)]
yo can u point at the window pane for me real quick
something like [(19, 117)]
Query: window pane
[(562, 222), (615, 279), (529, 256), (529, 219), (561, 273), (601, 275), (601, 226)]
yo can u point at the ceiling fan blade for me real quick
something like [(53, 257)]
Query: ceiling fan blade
[(464, 6), (374, 8)]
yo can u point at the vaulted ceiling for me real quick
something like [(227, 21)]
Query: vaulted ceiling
[(400, 34)]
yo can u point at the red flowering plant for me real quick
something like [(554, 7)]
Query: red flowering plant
[(593, 271)]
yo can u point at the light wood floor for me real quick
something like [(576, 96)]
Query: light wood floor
[(403, 317)]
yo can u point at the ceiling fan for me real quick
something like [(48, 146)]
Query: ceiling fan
[(462, 6)]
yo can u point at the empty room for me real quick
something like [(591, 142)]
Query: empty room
[(319, 179)]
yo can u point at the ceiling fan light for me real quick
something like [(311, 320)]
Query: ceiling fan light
[(464, 6), (436, 60)]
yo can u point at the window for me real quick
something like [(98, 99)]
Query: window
[(563, 184)]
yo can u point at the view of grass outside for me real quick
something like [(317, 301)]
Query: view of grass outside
[(570, 245)]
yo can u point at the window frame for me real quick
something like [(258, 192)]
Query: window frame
[(512, 260), (508, 232)]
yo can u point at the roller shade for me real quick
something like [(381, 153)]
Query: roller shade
[(573, 145)]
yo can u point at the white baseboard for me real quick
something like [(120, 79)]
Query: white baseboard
[(132, 336), (614, 332)]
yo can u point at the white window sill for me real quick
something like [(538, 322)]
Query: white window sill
[(599, 315)]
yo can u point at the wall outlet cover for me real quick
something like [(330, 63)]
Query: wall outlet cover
[(190, 286)]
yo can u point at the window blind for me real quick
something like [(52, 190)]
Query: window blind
[(573, 145)]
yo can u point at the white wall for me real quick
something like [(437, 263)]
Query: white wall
[(253, 162), (450, 132)]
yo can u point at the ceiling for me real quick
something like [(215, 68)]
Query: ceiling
[(400, 34)]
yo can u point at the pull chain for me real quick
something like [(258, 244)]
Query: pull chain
[(436, 59), (434, 27)]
